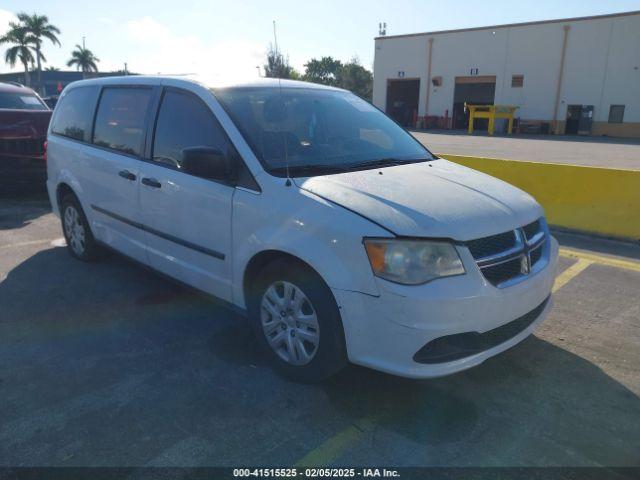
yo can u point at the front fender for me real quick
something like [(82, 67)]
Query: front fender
[(322, 234)]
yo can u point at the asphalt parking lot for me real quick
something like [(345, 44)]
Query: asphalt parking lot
[(109, 364), (590, 151)]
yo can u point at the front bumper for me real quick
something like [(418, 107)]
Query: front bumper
[(385, 332)]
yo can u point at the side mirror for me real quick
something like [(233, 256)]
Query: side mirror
[(207, 162)]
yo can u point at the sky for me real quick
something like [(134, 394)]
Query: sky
[(228, 39)]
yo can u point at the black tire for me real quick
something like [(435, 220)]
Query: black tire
[(90, 250), (330, 356)]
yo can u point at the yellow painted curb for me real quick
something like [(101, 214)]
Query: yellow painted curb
[(604, 201)]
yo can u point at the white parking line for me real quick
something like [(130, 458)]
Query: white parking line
[(54, 242)]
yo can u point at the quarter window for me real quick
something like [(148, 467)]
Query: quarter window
[(74, 113), (185, 121), (120, 121)]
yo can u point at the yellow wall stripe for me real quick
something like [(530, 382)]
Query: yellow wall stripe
[(605, 201)]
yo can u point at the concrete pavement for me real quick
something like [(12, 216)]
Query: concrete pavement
[(109, 364), (572, 150)]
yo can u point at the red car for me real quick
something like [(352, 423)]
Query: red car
[(24, 119)]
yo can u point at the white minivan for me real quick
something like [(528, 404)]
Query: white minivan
[(340, 235)]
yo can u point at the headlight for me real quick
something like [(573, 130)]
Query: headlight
[(412, 262)]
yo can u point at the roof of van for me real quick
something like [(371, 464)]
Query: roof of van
[(204, 81)]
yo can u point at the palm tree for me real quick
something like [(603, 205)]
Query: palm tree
[(39, 28), (22, 44), (84, 60)]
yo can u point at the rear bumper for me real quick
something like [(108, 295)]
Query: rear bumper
[(53, 198), (20, 172), (387, 332)]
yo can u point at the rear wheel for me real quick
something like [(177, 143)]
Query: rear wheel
[(297, 321), (80, 241)]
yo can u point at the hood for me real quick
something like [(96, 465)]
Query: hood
[(437, 199)]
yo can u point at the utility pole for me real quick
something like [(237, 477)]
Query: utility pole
[(126, 72), (275, 36), (83, 47)]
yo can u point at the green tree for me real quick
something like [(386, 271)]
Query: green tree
[(22, 44), (277, 66), (83, 59), (39, 28), (324, 71), (51, 69), (354, 77), (350, 76)]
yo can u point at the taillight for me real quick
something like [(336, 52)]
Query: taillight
[(44, 151)]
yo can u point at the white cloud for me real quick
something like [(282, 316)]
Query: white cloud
[(157, 49), (106, 21), (6, 17)]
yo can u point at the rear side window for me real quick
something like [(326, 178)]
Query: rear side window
[(74, 113), (185, 121), (120, 121)]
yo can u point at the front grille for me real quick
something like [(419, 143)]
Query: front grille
[(22, 146), (461, 345), (487, 246), (531, 229), (502, 272), (509, 255), (536, 255)]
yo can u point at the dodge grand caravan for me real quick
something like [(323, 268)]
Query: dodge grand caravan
[(340, 236)]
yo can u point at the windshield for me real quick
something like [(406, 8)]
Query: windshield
[(21, 101), (317, 130)]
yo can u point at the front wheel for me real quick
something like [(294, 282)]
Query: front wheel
[(297, 321)]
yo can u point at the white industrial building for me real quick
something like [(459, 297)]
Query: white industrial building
[(578, 75)]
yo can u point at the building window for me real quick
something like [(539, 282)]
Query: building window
[(616, 113), (517, 81)]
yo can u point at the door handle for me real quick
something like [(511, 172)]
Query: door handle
[(127, 174), (151, 182)]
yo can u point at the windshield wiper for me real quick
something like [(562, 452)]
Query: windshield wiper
[(302, 169), (328, 168), (385, 162)]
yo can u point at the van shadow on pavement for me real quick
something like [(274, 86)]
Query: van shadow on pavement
[(109, 364), (535, 404), (17, 212)]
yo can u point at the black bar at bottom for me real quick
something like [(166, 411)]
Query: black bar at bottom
[(408, 473)]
